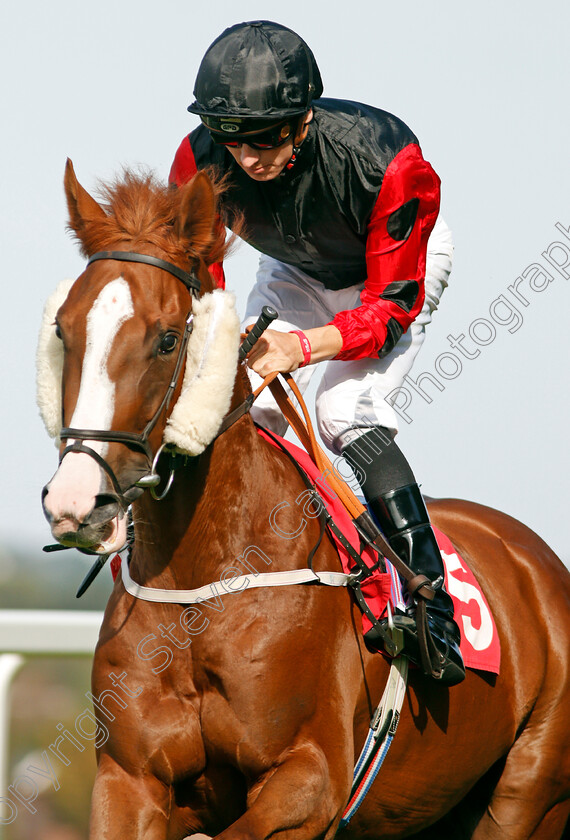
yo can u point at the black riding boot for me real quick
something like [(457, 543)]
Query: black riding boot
[(403, 517)]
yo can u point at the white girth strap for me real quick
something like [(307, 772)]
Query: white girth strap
[(238, 584)]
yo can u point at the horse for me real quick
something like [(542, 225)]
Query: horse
[(241, 716)]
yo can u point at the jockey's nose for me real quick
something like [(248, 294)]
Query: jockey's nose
[(249, 155)]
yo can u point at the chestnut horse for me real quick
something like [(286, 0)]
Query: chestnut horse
[(240, 717)]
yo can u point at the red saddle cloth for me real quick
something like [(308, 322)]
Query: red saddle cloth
[(480, 645)]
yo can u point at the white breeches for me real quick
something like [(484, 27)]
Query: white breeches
[(353, 394)]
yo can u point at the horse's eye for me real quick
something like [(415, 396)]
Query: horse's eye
[(57, 331), (167, 343)]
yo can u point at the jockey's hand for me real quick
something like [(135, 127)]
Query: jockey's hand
[(282, 351), (275, 351)]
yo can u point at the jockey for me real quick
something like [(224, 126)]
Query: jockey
[(339, 200)]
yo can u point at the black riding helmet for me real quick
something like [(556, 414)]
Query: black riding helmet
[(254, 75)]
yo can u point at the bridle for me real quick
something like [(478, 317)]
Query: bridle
[(140, 440)]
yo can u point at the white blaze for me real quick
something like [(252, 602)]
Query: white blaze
[(73, 488)]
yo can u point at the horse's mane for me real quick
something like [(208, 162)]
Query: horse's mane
[(140, 211)]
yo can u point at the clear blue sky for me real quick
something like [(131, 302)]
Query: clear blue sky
[(483, 85)]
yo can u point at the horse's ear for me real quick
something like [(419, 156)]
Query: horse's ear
[(197, 214), (82, 207)]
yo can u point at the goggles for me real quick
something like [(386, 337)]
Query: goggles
[(226, 133)]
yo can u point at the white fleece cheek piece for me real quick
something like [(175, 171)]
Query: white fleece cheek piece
[(49, 363), (209, 376)]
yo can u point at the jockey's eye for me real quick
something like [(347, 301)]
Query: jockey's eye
[(167, 343)]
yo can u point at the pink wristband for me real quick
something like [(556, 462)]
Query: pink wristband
[(305, 346)]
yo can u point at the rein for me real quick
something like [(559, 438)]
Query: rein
[(140, 441), (419, 587)]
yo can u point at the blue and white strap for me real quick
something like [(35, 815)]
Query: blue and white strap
[(380, 735)]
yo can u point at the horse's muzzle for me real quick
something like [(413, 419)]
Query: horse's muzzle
[(102, 530)]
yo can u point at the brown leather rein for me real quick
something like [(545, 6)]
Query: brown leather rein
[(419, 586)]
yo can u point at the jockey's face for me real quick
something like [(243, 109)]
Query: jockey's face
[(267, 164), (262, 164)]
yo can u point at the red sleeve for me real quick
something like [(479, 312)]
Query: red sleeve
[(183, 170), (183, 166), (398, 231)]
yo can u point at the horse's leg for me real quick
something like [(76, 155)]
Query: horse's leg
[(124, 806), (524, 805), (300, 798), (553, 823)]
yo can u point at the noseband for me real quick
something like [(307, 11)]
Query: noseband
[(140, 441)]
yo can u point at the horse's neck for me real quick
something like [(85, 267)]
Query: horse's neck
[(218, 505)]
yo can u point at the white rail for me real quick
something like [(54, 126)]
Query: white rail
[(26, 633), (47, 632)]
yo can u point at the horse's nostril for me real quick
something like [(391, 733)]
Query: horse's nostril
[(47, 513), (106, 507)]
